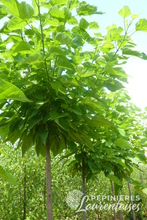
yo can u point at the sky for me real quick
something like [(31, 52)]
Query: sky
[(135, 68)]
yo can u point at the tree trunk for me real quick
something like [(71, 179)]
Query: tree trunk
[(64, 195), (133, 213), (120, 218), (44, 196), (112, 188), (83, 187), (24, 191), (48, 183), (141, 179), (20, 196)]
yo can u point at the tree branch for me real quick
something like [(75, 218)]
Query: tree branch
[(42, 39)]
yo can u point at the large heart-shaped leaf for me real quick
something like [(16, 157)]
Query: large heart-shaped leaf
[(7, 176), (10, 91)]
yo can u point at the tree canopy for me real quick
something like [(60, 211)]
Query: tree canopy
[(57, 96)]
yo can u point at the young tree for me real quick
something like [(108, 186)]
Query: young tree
[(51, 90)]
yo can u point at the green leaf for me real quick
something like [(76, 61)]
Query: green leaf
[(56, 13), (12, 6), (65, 64), (115, 71), (43, 134), (87, 9), (54, 144), (145, 190), (32, 114), (7, 176), (86, 74), (138, 188), (33, 121), (22, 46), (3, 11), (141, 25), (97, 105), (59, 2), (119, 72), (100, 121), (43, 151), (57, 144), (122, 143), (77, 41), (73, 21), (25, 11), (141, 156), (113, 85), (128, 51), (65, 80), (35, 7), (77, 112), (1, 152), (58, 87), (83, 24), (67, 13), (93, 25), (55, 115), (53, 22), (79, 157), (107, 46), (21, 10), (10, 91), (39, 146), (125, 11), (27, 144), (81, 138), (114, 179), (93, 167), (62, 123), (121, 162), (4, 131), (60, 28), (60, 14), (90, 164), (134, 16), (62, 144), (86, 141), (16, 24), (33, 59), (62, 38), (121, 131)]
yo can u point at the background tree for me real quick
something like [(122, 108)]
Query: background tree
[(53, 93)]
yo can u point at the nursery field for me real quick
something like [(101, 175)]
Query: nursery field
[(72, 143)]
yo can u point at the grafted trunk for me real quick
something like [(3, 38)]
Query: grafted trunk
[(48, 183)]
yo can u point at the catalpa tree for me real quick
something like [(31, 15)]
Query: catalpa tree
[(51, 89)]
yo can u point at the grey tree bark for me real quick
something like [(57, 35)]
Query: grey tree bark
[(48, 183)]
